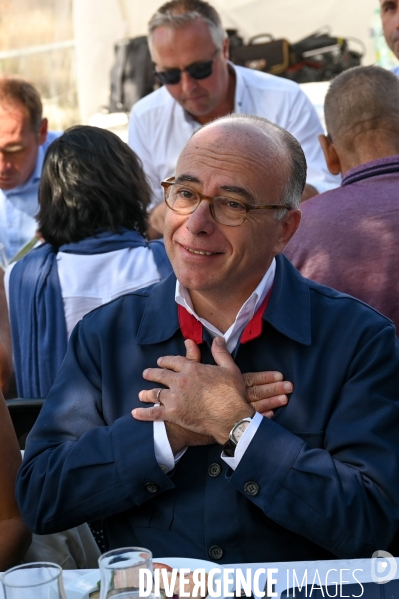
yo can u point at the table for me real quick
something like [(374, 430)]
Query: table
[(291, 573)]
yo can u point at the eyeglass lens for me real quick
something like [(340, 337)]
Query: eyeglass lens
[(225, 210), (200, 70)]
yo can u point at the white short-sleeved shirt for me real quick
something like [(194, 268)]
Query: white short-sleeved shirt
[(159, 127)]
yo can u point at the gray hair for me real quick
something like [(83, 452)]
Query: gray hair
[(292, 193), (178, 13), (362, 99)]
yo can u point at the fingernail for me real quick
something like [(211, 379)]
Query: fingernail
[(288, 387), (282, 399), (278, 376), (219, 341), (145, 371)]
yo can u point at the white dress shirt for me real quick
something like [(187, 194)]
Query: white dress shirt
[(159, 127), (163, 450)]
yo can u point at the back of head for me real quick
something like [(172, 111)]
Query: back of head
[(288, 150), (362, 101), (14, 90), (178, 13), (91, 181)]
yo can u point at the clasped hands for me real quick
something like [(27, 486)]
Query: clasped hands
[(202, 402)]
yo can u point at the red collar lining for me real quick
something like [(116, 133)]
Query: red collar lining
[(192, 328)]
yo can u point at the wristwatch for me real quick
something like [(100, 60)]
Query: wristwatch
[(235, 435)]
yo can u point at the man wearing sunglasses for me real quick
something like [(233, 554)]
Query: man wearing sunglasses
[(200, 474), (190, 51)]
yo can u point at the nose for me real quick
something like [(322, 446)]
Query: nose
[(188, 84), (201, 222), (4, 163)]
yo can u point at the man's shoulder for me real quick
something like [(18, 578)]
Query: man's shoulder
[(267, 82), (336, 303), (158, 100), (128, 310), (329, 305)]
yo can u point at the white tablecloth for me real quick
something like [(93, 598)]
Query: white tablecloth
[(286, 572)]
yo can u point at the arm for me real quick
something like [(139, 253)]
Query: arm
[(339, 488), (97, 463), (14, 536), (139, 139), (5, 340)]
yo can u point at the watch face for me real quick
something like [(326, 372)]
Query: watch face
[(239, 430)]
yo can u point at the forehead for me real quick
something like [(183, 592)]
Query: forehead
[(240, 158), (14, 120), (182, 45)]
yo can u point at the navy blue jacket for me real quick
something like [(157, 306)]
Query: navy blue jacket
[(327, 465)]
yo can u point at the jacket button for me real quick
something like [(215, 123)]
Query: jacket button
[(151, 487), (251, 488), (215, 552), (214, 469)]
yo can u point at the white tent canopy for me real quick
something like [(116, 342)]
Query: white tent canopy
[(98, 25)]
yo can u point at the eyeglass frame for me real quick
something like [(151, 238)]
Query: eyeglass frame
[(248, 207), (160, 74)]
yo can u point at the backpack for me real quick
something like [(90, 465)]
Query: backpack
[(132, 74)]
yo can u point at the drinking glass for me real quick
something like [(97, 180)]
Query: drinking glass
[(38, 580), (120, 570)]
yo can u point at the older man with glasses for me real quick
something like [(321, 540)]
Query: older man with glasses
[(190, 50), (198, 473)]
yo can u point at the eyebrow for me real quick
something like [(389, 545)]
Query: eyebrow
[(229, 188)]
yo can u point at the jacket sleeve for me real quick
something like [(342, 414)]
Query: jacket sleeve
[(77, 465), (343, 495)]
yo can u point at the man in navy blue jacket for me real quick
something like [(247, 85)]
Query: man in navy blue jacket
[(199, 474)]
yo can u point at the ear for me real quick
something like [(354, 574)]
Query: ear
[(226, 47), (43, 131), (289, 224), (330, 155)]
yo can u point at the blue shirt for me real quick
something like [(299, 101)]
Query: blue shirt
[(18, 206), (395, 70)]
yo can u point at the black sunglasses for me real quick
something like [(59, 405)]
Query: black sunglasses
[(198, 70)]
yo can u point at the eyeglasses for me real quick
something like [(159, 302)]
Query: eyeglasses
[(183, 199), (198, 70)]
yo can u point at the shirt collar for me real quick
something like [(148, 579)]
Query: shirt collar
[(288, 310), (245, 314), (381, 166)]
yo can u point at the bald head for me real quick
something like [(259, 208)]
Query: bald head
[(263, 144), (363, 101)]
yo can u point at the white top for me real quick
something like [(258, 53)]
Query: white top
[(163, 450), (88, 281), (159, 127)]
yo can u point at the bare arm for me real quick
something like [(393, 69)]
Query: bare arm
[(5, 340), (14, 536)]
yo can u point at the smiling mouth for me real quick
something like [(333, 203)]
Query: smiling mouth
[(199, 252)]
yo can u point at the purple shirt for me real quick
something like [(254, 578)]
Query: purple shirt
[(349, 237)]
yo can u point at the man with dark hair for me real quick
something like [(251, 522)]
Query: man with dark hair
[(201, 474), (349, 236), (390, 26), (24, 140), (93, 200), (190, 51)]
